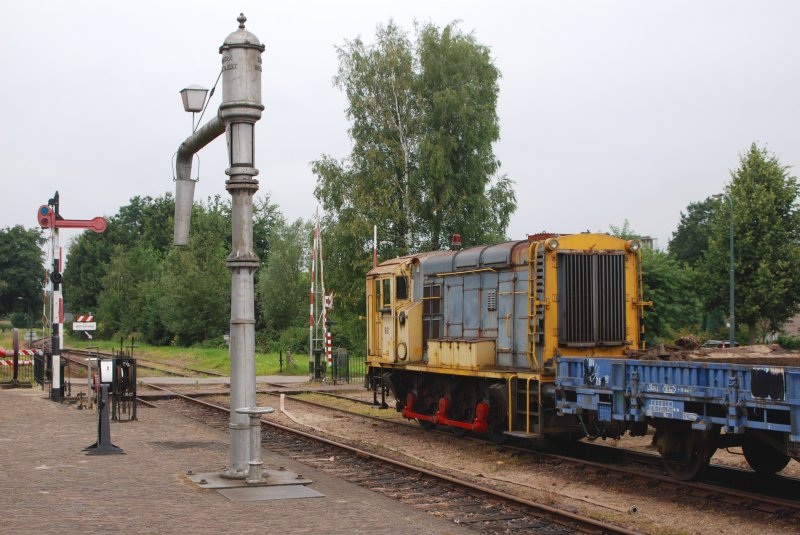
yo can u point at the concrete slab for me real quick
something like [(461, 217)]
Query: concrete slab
[(263, 494)]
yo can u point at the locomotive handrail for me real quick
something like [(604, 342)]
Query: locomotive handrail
[(510, 405), (641, 303), (466, 272), (532, 248), (528, 405)]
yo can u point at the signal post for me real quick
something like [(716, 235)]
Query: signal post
[(49, 216)]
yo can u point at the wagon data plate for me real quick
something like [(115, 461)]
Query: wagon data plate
[(664, 408)]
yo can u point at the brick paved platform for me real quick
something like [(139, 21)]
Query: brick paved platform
[(48, 485)]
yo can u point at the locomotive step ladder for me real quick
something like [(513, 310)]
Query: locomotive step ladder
[(525, 399)]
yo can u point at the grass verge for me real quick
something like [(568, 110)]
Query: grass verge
[(200, 358)]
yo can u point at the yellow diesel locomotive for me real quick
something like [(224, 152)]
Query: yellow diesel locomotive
[(468, 338)]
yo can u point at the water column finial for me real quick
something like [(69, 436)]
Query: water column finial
[(241, 19)]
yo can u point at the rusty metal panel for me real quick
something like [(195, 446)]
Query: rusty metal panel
[(498, 255), (521, 320), (505, 319), (437, 263), (472, 302), (453, 307), (468, 258)]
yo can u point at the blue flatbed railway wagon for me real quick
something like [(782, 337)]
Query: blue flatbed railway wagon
[(695, 406)]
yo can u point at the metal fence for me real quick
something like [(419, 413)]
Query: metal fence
[(41, 369), (346, 368), (23, 374)]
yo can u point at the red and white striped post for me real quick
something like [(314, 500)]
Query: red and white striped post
[(319, 337), (328, 351)]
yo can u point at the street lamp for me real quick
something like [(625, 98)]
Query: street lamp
[(731, 294), (193, 97)]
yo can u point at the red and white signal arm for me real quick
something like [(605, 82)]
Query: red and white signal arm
[(84, 323)]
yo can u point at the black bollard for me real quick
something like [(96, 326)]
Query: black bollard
[(103, 446)]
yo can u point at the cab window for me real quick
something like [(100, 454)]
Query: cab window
[(401, 287), (386, 294)]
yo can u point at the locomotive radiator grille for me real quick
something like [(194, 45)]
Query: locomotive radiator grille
[(591, 299)]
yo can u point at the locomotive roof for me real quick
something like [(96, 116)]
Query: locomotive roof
[(478, 257), (494, 256), (483, 256)]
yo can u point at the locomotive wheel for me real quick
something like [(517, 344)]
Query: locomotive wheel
[(463, 416), (496, 435), (497, 424), (763, 458), (685, 453), (426, 425)]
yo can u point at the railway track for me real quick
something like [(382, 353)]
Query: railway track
[(722, 484), (477, 507)]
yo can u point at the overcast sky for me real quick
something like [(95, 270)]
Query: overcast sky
[(608, 110)]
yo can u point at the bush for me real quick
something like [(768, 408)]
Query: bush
[(294, 339), (789, 342), (20, 320), (217, 342)]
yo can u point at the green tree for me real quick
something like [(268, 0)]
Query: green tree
[(676, 307), (348, 257), (690, 240), (668, 284), (131, 273), (380, 178), (266, 216), (195, 284), (144, 221), (457, 88), (423, 120), (767, 244), (21, 270), (284, 283), (123, 304)]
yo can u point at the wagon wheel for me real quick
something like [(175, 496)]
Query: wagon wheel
[(690, 457), (763, 458)]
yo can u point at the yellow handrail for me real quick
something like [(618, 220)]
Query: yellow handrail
[(465, 272), (533, 302), (528, 405), (510, 419), (641, 303)]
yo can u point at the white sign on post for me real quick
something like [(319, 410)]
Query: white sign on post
[(84, 323), (106, 371)]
